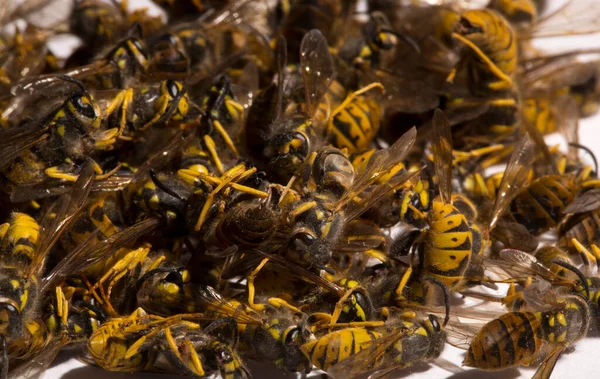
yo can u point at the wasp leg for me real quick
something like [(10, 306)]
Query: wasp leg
[(57, 172), (505, 81), (340, 304), (235, 173), (405, 277), (212, 150), (252, 289), (163, 104), (349, 99), (219, 128)]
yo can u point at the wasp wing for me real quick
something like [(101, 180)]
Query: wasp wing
[(514, 178), (442, 154), (317, 68)]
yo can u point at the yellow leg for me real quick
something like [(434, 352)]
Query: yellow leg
[(350, 98), (377, 254), (279, 303), (301, 209), (212, 150), (62, 306), (219, 128), (420, 214), (208, 203), (505, 80), (451, 76), (589, 258), (162, 108), (252, 289), (461, 156), (172, 344), (54, 172), (339, 306), (403, 281), (196, 362)]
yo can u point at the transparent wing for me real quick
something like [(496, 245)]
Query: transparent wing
[(514, 178), (86, 254), (589, 201), (575, 17), (380, 162), (60, 215), (35, 367), (15, 141), (515, 235), (441, 145), (317, 68), (547, 366), (365, 360), (403, 93)]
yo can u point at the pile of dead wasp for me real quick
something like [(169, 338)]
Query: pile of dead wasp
[(307, 184)]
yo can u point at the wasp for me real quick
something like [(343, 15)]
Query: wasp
[(133, 110), (25, 247), (451, 238), (316, 223), (269, 331), (381, 346), (544, 334), (378, 39), (54, 147), (134, 343), (294, 134)]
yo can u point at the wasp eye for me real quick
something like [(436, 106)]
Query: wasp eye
[(303, 240), (84, 107), (293, 336), (172, 88), (435, 323), (137, 44)]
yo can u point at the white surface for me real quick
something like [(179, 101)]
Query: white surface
[(581, 363)]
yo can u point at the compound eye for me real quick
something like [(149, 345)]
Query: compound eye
[(138, 45), (174, 277), (172, 88), (293, 336), (84, 107), (304, 240), (435, 323)]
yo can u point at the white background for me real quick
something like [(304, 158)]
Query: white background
[(583, 362)]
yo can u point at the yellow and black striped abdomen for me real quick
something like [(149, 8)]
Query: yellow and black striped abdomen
[(512, 339), (496, 40), (448, 245), (493, 56), (20, 241), (585, 229), (337, 346), (355, 126), (539, 206)]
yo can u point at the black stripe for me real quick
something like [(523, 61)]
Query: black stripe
[(508, 348)]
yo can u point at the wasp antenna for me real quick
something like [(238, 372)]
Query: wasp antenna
[(135, 30), (577, 272), (407, 40), (446, 292), (159, 183), (70, 79), (587, 150)]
